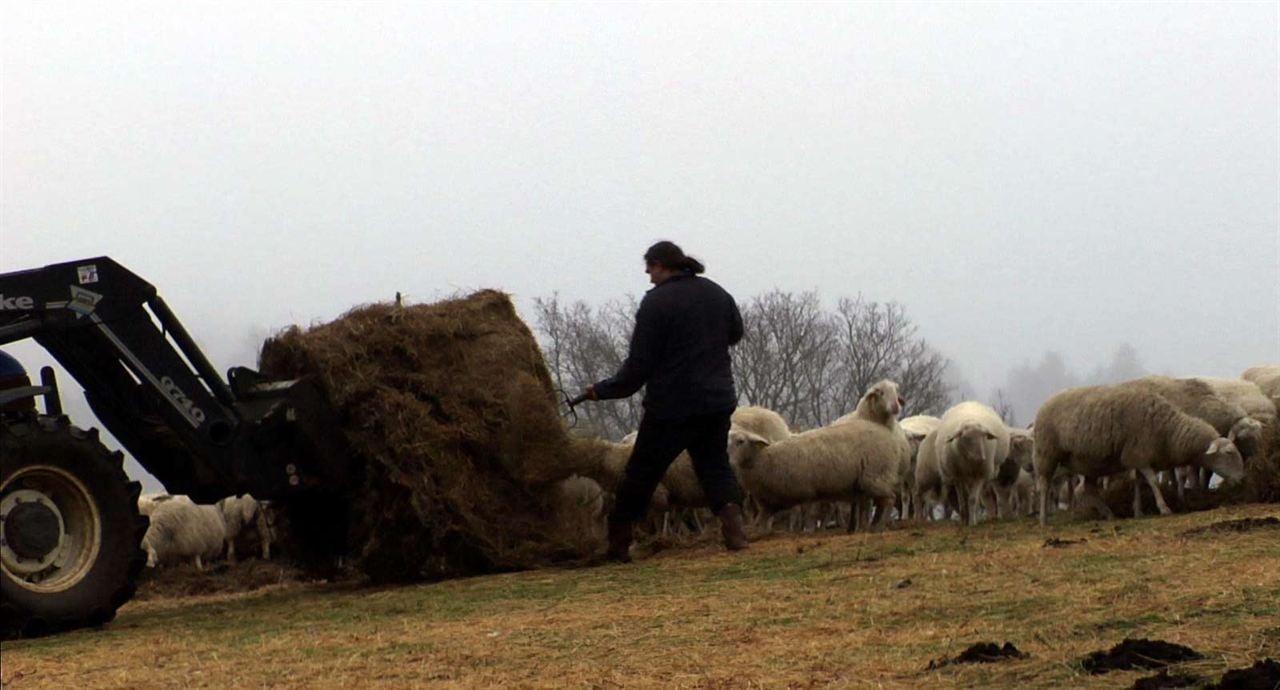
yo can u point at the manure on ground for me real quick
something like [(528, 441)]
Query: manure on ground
[(980, 653), (1138, 654)]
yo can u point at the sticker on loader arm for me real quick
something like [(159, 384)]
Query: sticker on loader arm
[(87, 274), (83, 301)]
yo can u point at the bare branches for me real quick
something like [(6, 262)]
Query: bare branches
[(583, 346), (808, 364)]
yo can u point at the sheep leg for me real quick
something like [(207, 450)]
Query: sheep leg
[(884, 504), (1137, 495), (1150, 476), (231, 551), (199, 563), (976, 491), (1042, 486)]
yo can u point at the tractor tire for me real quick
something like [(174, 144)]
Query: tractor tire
[(70, 532)]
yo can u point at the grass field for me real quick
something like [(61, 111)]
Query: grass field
[(794, 611)]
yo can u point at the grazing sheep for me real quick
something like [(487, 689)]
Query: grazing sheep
[(1097, 431), (971, 443), (577, 508), (239, 513), (915, 428), (1266, 378), (928, 479), (1246, 394), (1198, 399), (610, 463), (845, 462), (1011, 484), (181, 529)]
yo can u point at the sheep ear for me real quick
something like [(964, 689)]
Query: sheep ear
[(991, 436), (1217, 446), (902, 402)]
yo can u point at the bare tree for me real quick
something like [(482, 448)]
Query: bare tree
[(1004, 408), (582, 346), (786, 355), (877, 341), (795, 358)]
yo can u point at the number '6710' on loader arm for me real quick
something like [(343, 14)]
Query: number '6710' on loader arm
[(70, 532)]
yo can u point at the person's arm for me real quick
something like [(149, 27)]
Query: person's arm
[(641, 358)]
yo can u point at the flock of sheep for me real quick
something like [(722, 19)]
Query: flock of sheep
[(1171, 432), (182, 530)]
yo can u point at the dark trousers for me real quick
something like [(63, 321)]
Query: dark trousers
[(658, 443)]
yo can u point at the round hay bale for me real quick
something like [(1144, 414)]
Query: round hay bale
[(449, 410)]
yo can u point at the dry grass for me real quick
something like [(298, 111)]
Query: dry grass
[(792, 612)]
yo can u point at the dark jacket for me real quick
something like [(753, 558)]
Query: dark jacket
[(680, 350)]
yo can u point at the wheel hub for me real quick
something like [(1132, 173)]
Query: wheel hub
[(32, 529)]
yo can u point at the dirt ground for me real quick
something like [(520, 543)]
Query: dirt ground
[(829, 610)]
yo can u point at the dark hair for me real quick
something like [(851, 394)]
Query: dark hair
[(669, 254)]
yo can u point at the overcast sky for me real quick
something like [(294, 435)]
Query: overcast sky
[(1022, 177)]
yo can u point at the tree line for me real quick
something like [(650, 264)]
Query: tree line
[(807, 362)]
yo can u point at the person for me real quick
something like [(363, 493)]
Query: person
[(13, 375), (680, 352)]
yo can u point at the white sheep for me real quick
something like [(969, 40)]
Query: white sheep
[(881, 404), (1246, 394), (1266, 378), (1013, 481), (845, 462), (239, 514), (577, 508), (928, 489), (915, 428), (147, 503), (1097, 431), (1199, 399), (181, 529), (972, 441), (761, 421)]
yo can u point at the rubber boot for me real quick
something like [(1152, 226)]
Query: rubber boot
[(735, 535), (620, 535)]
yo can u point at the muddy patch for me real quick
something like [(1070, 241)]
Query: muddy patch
[(1163, 680), (1228, 526), (1056, 543), (980, 653), (1264, 675), (1138, 654)]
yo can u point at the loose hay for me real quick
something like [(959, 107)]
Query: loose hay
[(1164, 681), (449, 412), (1227, 526)]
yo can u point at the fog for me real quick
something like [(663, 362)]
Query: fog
[(1025, 178)]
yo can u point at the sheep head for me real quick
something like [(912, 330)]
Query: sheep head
[(1245, 429), (743, 446), (973, 441), (1022, 448), (1224, 458), (884, 397)]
